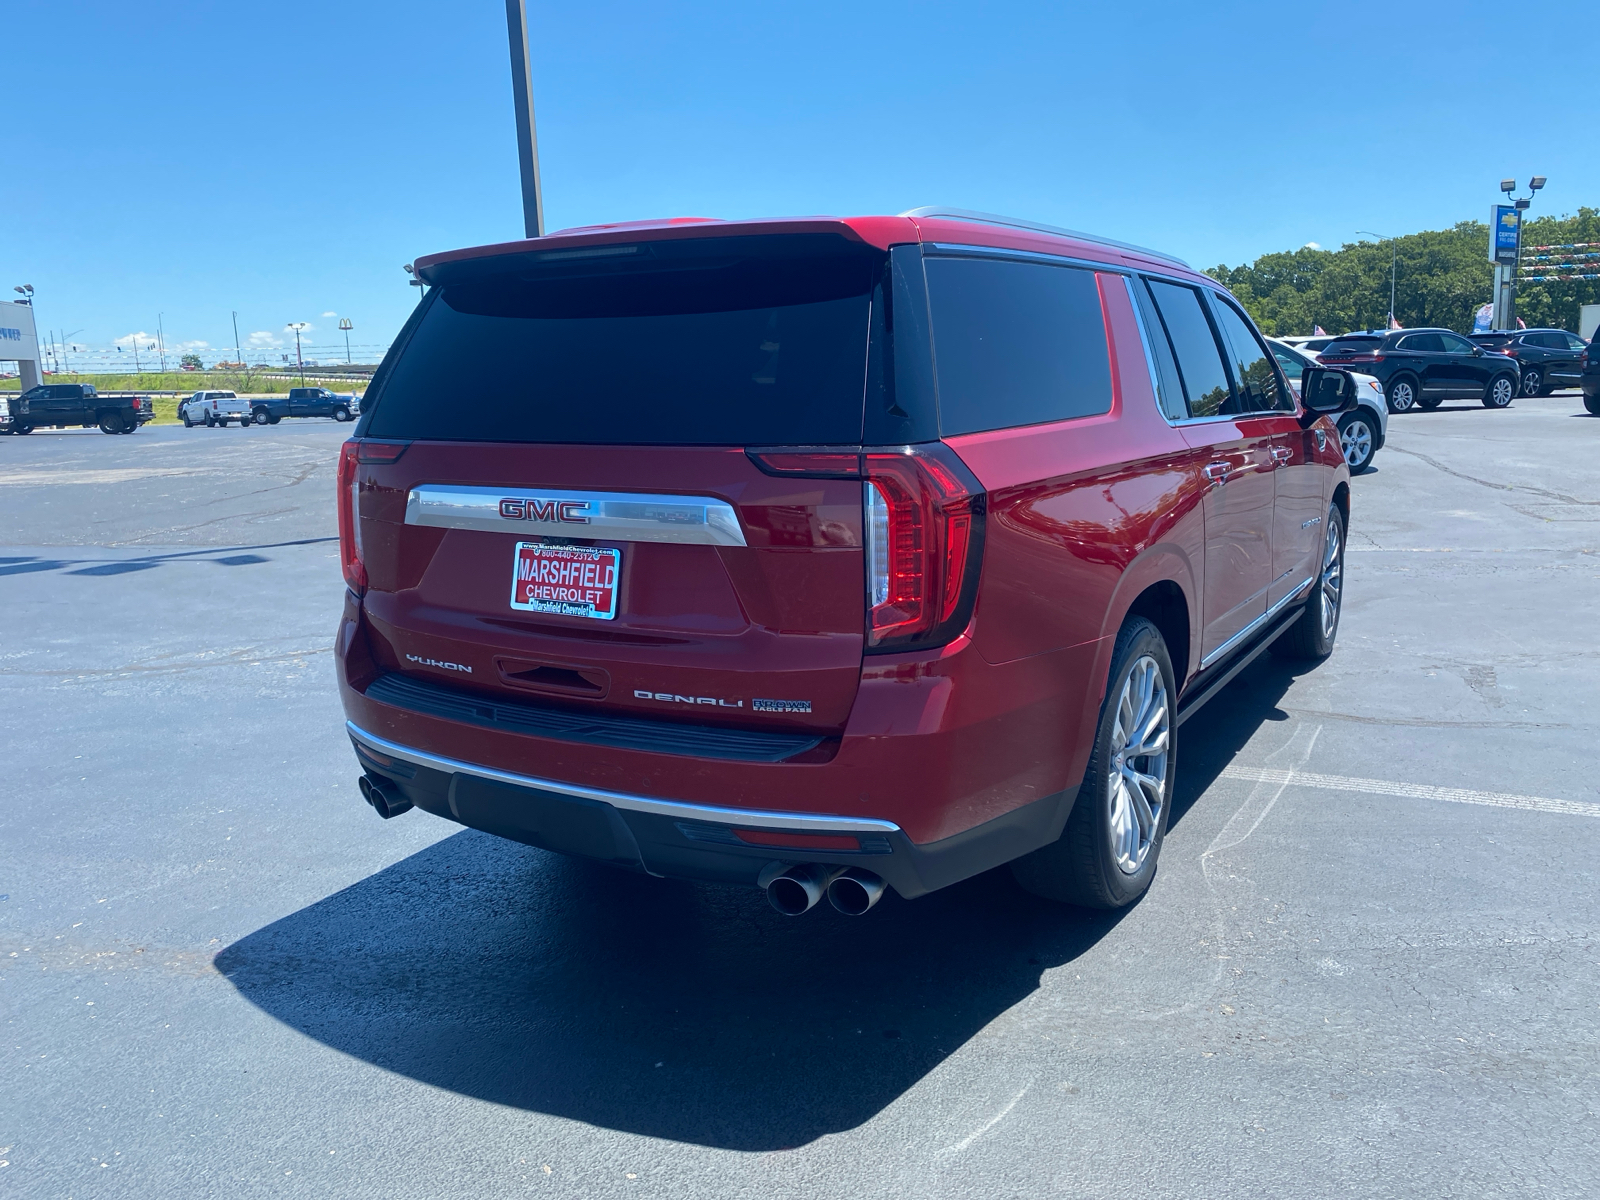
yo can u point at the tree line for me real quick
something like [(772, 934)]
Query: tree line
[(1443, 276)]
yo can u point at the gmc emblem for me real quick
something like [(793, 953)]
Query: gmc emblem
[(570, 511)]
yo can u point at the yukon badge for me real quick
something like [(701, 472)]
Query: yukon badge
[(434, 662)]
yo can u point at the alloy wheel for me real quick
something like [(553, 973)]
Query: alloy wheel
[(1402, 396), (1137, 776), (1531, 382), (1356, 438), (1501, 391), (1332, 582)]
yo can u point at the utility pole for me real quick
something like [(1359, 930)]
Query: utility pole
[(161, 340), (66, 348), (300, 364), (238, 354), (522, 99), (346, 326)]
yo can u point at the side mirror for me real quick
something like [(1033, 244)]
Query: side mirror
[(1325, 392)]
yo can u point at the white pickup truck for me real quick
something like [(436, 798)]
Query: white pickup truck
[(214, 408)]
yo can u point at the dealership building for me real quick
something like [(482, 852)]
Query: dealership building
[(19, 341)]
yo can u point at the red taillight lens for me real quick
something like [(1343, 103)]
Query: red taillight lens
[(924, 533), (349, 496)]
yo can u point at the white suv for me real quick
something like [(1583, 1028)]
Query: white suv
[(1361, 432)]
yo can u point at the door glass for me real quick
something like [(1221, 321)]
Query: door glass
[(1253, 368), (1169, 391), (1574, 343), (1454, 344), (1205, 382), (1427, 343)]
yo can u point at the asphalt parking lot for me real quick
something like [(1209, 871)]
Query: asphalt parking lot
[(1368, 965)]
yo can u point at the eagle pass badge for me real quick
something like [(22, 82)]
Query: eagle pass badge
[(571, 581)]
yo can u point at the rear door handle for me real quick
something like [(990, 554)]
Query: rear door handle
[(1217, 472), (1281, 454)]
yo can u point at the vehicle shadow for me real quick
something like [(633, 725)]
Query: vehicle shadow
[(31, 564), (669, 1009)]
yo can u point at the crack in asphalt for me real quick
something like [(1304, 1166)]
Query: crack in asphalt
[(1488, 483)]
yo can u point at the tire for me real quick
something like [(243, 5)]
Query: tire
[(1401, 395), (1501, 391), (262, 417), (1533, 382), (1312, 636), (1431, 403), (1106, 856), (187, 424), (24, 429), (341, 413), (273, 420), (1592, 403), (1358, 436), (244, 422), (211, 421), (111, 423)]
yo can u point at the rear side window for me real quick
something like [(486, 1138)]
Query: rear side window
[(702, 341), (1253, 369), (1351, 345), (1205, 381), (1169, 389), (1016, 343)]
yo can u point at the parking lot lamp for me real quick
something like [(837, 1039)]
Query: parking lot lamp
[(26, 291), (346, 326), (1394, 263), (300, 363)]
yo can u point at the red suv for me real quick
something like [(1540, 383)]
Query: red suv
[(824, 555)]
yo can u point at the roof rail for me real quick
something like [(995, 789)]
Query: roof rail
[(965, 214)]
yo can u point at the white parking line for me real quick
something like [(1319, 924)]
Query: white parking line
[(1412, 791)]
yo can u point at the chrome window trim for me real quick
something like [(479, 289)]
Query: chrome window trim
[(605, 516), (1257, 623), (676, 809), (1149, 355), (962, 250)]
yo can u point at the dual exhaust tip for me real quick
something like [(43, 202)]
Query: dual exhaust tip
[(384, 797), (793, 890)]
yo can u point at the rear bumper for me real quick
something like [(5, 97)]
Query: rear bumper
[(676, 839)]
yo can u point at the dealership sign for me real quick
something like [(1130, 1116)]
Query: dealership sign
[(1505, 233), (18, 341)]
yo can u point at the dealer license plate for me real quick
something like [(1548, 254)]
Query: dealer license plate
[(574, 581)]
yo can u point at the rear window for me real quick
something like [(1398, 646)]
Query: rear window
[(1352, 345), (1016, 343), (709, 341)]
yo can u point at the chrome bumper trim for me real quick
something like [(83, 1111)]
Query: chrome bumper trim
[(676, 809), (607, 516)]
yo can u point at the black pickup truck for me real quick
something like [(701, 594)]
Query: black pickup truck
[(305, 402), (66, 404)]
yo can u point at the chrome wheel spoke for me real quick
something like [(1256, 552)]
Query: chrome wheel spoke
[(1137, 777)]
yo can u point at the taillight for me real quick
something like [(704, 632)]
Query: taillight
[(924, 546), (355, 573)]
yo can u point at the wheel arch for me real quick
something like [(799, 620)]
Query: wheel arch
[(1341, 501), (1160, 586)]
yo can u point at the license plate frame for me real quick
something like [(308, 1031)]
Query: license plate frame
[(558, 580)]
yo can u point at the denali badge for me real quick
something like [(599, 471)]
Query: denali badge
[(517, 508), (434, 662), (791, 706), (674, 698)]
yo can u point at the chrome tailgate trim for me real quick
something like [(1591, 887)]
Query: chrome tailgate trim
[(605, 516)]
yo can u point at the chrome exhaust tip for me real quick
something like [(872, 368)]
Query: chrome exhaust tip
[(855, 891), (386, 802), (793, 890)]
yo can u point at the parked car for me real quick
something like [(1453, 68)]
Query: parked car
[(1361, 432), (724, 574), (63, 405), (1589, 380), (306, 402), (1422, 368), (1549, 357), (1312, 345), (214, 408)]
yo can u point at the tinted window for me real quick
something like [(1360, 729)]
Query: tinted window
[(1426, 343), (1454, 344), (1169, 389), (711, 341), (1573, 343), (1350, 345), (1289, 361), (1016, 343), (1205, 382), (1253, 369)]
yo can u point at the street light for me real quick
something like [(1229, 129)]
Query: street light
[(26, 291), (346, 326), (297, 326), (1394, 263)]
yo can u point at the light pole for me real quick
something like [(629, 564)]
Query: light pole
[(161, 340), (527, 137), (300, 365), (238, 354), (1394, 263), (346, 326), (26, 290), (1511, 271), (66, 347)]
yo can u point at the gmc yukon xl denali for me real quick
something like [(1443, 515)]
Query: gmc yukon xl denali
[(825, 555)]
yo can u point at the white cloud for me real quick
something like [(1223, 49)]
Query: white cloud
[(330, 314), (134, 339), (261, 340), (1311, 246), (182, 346)]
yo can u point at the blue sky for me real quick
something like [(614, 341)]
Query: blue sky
[(195, 159)]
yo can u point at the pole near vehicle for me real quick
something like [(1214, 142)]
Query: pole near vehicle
[(238, 355), (346, 326), (1394, 266), (522, 100), (299, 362)]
